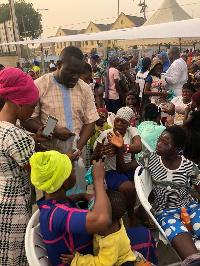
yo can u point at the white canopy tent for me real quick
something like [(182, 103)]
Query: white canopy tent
[(185, 29), (168, 11)]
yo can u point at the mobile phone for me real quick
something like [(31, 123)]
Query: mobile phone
[(50, 125)]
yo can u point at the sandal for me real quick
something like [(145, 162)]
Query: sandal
[(148, 223)]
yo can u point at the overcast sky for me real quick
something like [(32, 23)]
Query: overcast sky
[(76, 14)]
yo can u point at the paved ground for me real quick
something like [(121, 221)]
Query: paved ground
[(166, 254)]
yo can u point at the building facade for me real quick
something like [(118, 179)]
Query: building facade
[(7, 35)]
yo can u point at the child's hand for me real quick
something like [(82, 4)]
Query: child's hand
[(109, 150), (116, 139), (67, 258), (73, 155), (188, 108), (98, 170), (170, 120)]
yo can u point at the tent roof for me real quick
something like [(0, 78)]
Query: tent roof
[(176, 29), (167, 12)]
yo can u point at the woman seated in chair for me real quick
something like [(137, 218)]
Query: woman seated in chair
[(115, 181), (171, 176)]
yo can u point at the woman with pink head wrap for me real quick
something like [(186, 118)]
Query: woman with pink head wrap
[(16, 148)]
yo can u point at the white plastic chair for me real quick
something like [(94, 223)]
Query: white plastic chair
[(143, 185), (35, 248)]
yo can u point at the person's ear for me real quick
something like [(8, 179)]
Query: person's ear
[(59, 63), (19, 106)]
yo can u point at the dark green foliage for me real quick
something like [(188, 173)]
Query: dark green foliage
[(29, 20)]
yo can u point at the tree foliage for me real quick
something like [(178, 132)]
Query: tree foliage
[(29, 20)]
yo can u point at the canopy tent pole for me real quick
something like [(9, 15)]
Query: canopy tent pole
[(180, 44)]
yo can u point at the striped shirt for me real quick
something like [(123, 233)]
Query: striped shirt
[(165, 196)]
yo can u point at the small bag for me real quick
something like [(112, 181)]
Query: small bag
[(70, 144)]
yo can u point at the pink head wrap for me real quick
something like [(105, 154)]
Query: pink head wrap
[(17, 86)]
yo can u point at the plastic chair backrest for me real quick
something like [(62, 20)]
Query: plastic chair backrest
[(35, 248), (110, 119), (143, 185)]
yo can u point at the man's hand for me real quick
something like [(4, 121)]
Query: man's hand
[(63, 133), (116, 139), (73, 155), (67, 258), (98, 170)]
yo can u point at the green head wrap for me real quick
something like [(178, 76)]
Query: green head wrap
[(49, 170)]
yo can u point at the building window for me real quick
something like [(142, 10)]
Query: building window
[(57, 45), (91, 29), (65, 44), (109, 42), (122, 22), (60, 45), (92, 42), (86, 42), (70, 44)]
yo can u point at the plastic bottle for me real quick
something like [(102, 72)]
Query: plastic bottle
[(185, 217)]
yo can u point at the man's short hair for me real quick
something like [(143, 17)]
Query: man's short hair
[(175, 50), (70, 51)]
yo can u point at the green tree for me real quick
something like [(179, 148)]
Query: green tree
[(29, 20)]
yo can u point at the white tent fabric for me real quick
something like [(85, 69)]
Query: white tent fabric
[(178, 29), (169, 11)]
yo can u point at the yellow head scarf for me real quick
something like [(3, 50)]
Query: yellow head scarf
[(49, 170)]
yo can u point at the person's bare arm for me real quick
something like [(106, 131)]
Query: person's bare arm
[(96, 92), (148, 92), (86, 133), (99, 219), (121, 166), (117, 87), (198, 189), (31, 125), (97, 153), (187, 118), (123, 86), (137, 86)]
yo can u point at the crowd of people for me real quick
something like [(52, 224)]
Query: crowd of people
[(110, 106)]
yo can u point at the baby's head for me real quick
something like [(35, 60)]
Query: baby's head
[(118, 204)]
